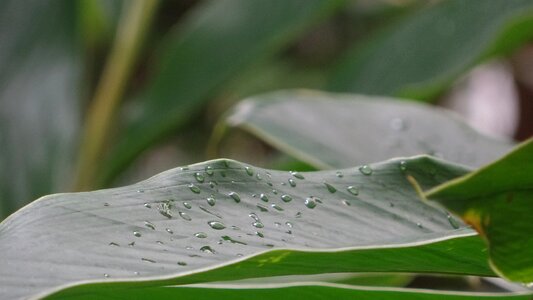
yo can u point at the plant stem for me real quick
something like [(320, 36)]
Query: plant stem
[(131, 30)]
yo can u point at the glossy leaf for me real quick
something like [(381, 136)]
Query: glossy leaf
[(335, 130), (207, 49), (224, 220), (292, 291), (426, 51), (39, 91), (497, 200)]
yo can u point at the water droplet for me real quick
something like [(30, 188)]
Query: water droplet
[(148, 260), (207, 249), (114, 244), (276, 207), (283, 183), (286, 198), (397, 124), (258, 176), (229, 239), (199, 177), (106, 275), (182, 263), (187, 205), (292, 182), (277, 224), (209, 170), (169, 230), (149, 225), (270, 184), (297, 175), (310, 203), (212, 184), (419, 225), (345, 202), (258, 224), (137, 234), (249, 171), (200, 235), (140, 191), (194, 188), (339, 174), (330, 188), (131, 244), (185, 216), (289, 224), (211, 200), (254, 216), (455, 224), (262, 208), (259, 234), (353, 190), (275, 192), (366, 170), (216, 225), (403, 166), (147, 205), (298, 214), (263, 197), (235, 196), (185, 168), (106, 204)]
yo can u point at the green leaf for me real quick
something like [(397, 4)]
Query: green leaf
[(208, 49), (335, 130), (291, 291), (497, 200), (424, 53), (39, 91), (365, 219)]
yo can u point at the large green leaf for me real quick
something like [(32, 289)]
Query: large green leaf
[(336, 130), (425, 52), (290, 291), (39, 91), (366, 219), (209, 48), (498, 201)]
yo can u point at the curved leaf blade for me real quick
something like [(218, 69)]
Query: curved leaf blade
[(330, 130), (497, 201), (422, 55), (162, 228)]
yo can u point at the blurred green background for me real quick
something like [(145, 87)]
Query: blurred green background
[(101, 93)]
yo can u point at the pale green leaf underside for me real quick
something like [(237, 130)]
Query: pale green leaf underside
[(102, 236), (331, 130)]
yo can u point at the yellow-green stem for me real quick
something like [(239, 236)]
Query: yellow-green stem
[(109, 92)]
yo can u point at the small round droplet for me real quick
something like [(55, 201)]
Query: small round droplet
[(209, 170), (292, 182), (199, 177), (200, 235), (286, 198), (262, 208), (403, 166), (277, 207), (169, 230), (216, 225), (207, 249), (185, 216), (187, 205), (211, 200), (419, 225), (263, 197), (258, 176), (259, 234), (275, 192), (194, 188), (297, 175), (149, 225), (353, 190), (366, 170), (455, 224), (249, 171), (289, 224), (310, 203), (137, 234), (106, 275), (339, 174), (258, 224), (182, 263), (235, 196), (147, 205), (330, 188)]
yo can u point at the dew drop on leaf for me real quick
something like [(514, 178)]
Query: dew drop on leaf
[(297, 175), (330, 188), (182, 263), (187, 205), (137, 234), (292, 182), (207, 249), (249, 171), (194, 188), (353, 190), (216, 225), (209, 170), (185, 216), (403, 166), (286, 198), (276, 207), (366, 170), (263, 197), (149, 225), (211, 200), (339, 174), (235, 196), (310, 203), (200, 235), (199, 177), (258, 224)]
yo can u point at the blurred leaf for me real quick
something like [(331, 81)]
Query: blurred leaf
[(306, 291), (214, 44), (497, 200), (336, 130), (422, 55), (161, 229), (39, 99)]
